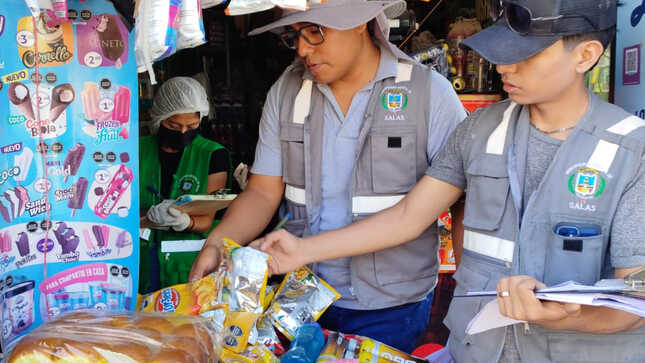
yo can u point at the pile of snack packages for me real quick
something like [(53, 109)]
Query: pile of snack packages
[(231, 315)]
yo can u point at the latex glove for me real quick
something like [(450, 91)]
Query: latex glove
[(181, 220), (159, 213), (241, 174)]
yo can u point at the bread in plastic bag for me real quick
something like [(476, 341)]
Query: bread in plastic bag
[(123, 337)]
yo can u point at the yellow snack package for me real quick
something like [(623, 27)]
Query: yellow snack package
[(253, 354), (376, 352), (301, 298), (237, 329), (193, 298)]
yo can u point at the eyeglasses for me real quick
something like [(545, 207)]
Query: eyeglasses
[(312, 34), (520, 19)]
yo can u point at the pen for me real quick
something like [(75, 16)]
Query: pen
[(282, 221), (154, 192)]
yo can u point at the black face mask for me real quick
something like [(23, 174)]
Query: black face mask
[(174, 139)]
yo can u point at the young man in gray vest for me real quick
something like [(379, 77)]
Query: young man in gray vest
[(555, 181), (347, 131)]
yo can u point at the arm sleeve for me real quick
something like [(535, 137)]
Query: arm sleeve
[(628, 231), (268, 160), (446, 112), (449, 165), (219, 161)]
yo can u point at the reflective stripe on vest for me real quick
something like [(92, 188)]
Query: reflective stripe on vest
[(497, 139), (370, 205), (490, 246), (605, 152), (302, 103), (295, 195)]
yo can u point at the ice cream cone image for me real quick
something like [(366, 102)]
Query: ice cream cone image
[(62, 96), (53, 36), (19, 96)]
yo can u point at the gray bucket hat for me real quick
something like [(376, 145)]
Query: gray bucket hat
[(343, 15), (337, 14)]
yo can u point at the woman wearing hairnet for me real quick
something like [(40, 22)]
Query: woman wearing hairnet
[(174, 161)]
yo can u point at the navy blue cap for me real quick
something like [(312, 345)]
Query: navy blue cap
[(499, 44)]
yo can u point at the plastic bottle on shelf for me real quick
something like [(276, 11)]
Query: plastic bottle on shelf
[(306, 346)]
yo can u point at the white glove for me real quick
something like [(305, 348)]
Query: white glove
[(241, 174), (181, 220), (159, 213)]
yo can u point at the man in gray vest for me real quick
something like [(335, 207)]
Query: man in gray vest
[(347, 131), (555, 181)]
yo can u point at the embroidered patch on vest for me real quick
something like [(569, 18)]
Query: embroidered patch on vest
[(586, 183), (188, 183), (395, 99)]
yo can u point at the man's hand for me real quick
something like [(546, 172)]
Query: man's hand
[(285, 250), (208, 259), (516, 299)]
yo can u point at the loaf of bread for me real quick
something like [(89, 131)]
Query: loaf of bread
[(104, 337)]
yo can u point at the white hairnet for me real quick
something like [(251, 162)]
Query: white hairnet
[(178, 95)]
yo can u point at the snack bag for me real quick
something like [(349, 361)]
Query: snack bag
[(237, 330), (376, 352), (340, 346), (247, 277), (193, 298), (264, 333), (302, 298), (253, 354)]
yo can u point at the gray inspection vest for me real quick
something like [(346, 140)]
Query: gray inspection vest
[(583, 185), (392, 157)]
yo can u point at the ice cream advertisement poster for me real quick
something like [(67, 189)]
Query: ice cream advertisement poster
[(69, 213)]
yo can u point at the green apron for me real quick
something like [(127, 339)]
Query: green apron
[(191, 177)]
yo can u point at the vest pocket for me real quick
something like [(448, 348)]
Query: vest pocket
[(462, 310), (293, 154), (393, 160), (602, 348), (488, 190), (411, 261), (578, 259)]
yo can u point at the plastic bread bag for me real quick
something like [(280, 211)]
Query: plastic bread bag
[(192, 298), (248, 272), (110, 337), (155, 32), (241, 7), (190, 32), (301, 298)]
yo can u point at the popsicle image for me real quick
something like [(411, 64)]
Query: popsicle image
[(6, 214), (5, 242), (23, 197), (23, 244), (105, 231), (98, 234), (19, 96), (79, 191), (121, 110), (66, 237), (91, 97), (111, 39), (118, 185), (23, 161), (88, 239), (122, 241), (12, 200), (62, 96), (73, 159)]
